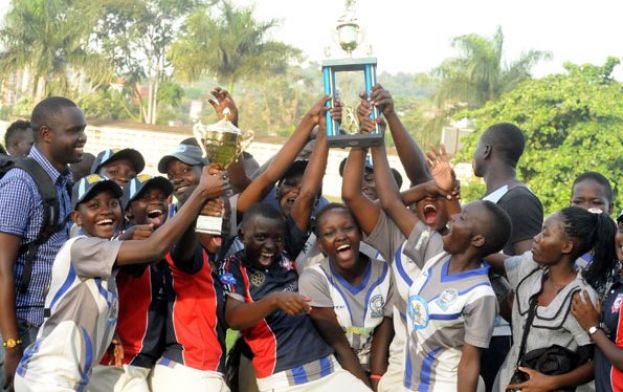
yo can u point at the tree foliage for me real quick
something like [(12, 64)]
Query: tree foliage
[(572, 123), (50, 38), (230, 44), (479, 75)]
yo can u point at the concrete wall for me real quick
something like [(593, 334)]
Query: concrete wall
[(154, 144)]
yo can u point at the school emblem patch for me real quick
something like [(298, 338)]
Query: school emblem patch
[(417, 310), (227, 278), (447, 298), (257, 279), (376, 306)]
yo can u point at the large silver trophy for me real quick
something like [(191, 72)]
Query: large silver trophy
[(222, 144), (342, 78)]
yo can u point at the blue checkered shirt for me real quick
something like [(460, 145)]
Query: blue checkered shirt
[(22, 215)]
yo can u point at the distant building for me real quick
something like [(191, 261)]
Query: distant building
[(452, 135)]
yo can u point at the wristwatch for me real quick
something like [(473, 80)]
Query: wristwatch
[(592, 330), (11, 343)]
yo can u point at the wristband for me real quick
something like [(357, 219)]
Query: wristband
[(11, 343), (375, 376)]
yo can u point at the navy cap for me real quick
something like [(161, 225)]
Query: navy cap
[(138, 184), (89, 186), (189, 154), (114, 154)]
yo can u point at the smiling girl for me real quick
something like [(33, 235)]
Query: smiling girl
[(351, 296), (81, 305)]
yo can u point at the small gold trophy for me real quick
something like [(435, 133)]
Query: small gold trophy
[(222, 143)]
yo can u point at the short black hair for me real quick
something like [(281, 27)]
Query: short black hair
[(498, 230), (15, 130), (265, 210), (297, 168), (332, 207), (47, 109), (507, 139), (598, 178)]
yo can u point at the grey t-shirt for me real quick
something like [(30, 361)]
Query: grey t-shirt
[(359, 309), (386, 236), (82, 302)]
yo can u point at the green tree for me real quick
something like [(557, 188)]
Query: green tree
[(572, 123), (228, 43), (51, 39), (479, 75), (136, 35)]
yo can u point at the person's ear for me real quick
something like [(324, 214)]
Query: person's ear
[(486, 153), (567, 247), (76, 217), (478, 241), (45, 133)]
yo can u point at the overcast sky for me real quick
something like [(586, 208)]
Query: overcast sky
[(415, 35)]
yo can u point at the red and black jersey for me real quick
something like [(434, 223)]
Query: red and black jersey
[(142, 311), (195, 325), (276, 341)]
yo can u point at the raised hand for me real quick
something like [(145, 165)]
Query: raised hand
[(441, 169), (382, 99), (214, 182), (221, 101), (213, 207)]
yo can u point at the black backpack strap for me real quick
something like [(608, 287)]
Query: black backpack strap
[(51, 224)]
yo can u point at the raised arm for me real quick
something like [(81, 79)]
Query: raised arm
[(365, 210), (387, 189), (444, 177), (312, 181), (155, 247), (410, 154), (258, 188)]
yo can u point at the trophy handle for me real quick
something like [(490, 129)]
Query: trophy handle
[(246, 137)]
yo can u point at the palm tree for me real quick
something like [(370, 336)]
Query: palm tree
[(231, 45), (479, 75), (50, 38)]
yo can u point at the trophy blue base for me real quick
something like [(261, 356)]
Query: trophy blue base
[(367, 67)]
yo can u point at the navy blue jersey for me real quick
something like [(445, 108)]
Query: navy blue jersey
[(608, 377), (276, 341)]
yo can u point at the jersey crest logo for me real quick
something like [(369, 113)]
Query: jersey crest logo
[(227, 278), (616, 305), (257, 279), (447, 298), (376, 306), (417, 311)]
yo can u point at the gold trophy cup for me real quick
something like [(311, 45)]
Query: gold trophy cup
[(222, 143)]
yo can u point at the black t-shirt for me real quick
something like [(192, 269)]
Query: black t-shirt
[(526, 213)]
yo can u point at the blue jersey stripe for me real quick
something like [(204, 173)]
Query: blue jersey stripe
[(378, 282), (403, 274), (71, 276), (425, 373), (326, 367), (299, 375)]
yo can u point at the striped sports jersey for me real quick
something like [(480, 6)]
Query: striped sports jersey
[(82, 308), (279, 342), (359, 309), (444, 311), (195, 324), (142, 312)]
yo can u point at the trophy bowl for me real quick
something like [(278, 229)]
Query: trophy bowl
[(222, 142)]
